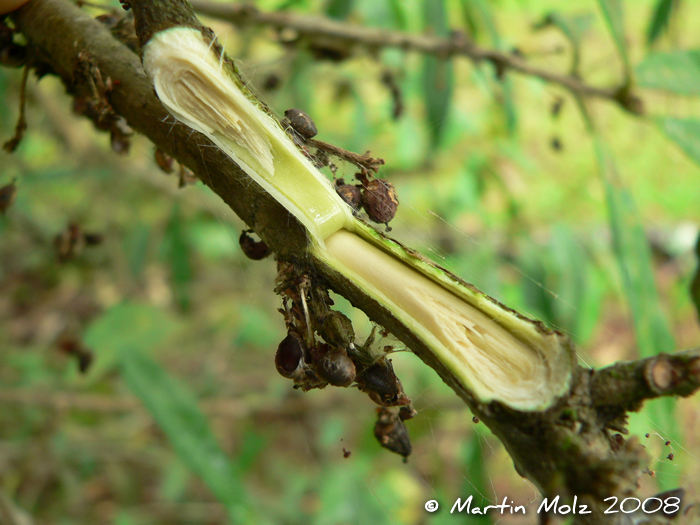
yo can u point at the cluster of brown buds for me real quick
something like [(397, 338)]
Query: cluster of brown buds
[(167, 165), (376, 196), (320, 350)]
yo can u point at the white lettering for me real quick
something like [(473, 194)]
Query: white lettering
[(548, 506), (460, 506)]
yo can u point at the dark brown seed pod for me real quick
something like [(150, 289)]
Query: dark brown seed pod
[(255, 250), (289, 354), (392, 433), (349, 193), (380, 201), (301, 123), (381, 384), (7, 196), (336, 367)]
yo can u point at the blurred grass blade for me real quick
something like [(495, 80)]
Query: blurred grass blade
[(633, 255), (685, 133), (695, 283), (339, 9), (123, 326), (398, 11), (634, 259), (178, 254), (476, 477), (179, 417), (438, 79), (482, 8), (675, 71), (612, 12), (660, 19), (470, 18)]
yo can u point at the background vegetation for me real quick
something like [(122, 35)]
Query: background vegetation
[(500, 179)]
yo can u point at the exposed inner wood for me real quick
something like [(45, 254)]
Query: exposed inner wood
[(489, 357)]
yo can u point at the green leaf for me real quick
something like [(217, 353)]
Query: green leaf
[(438, 79), (674, 71), (612, 12), (659, 20), (176, 412), (685, 133), (633, 254)]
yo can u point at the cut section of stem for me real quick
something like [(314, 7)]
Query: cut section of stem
[(491, 351), (495, 353)]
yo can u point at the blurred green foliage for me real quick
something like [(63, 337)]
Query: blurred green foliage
[(498, 178)]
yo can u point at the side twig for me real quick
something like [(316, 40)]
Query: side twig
[(322, 32)]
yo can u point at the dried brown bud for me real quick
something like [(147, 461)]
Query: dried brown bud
[(392, 433), (381, 384), (336, 367), (349, 193), (301, 123), (164, 161), (380, 201), (336, 329), (407, 412), (255, 250), (289, 354)]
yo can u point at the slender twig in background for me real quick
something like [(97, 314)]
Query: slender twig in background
[(325, 32)]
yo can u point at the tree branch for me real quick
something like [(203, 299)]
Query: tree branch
[(325, 33), (626, 386)]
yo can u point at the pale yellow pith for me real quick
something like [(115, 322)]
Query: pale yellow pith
[(492, 361), (192, 84)]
